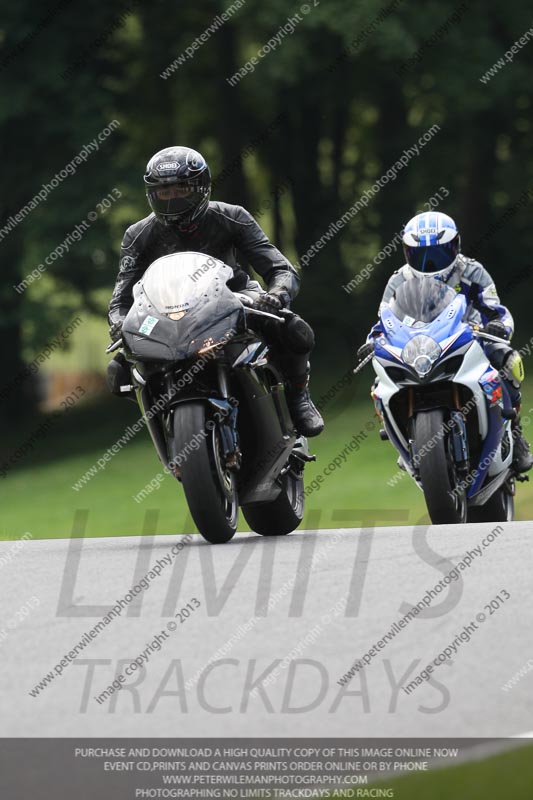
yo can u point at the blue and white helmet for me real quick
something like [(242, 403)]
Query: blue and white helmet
[(431, 242)]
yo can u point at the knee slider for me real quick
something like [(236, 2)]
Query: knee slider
[(513, 368), (299, 335)]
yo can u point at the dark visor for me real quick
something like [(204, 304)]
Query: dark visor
[(175, 200), (432, 258)]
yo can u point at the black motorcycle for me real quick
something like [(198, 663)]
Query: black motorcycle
[(213, 398)]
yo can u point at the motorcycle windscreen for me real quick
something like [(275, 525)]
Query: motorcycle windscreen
[(190, 289), (421, 299)]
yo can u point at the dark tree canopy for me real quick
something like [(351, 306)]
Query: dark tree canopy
[(298, 140)]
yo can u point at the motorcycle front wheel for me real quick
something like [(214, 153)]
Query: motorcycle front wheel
[(444, 495), (209, 486)]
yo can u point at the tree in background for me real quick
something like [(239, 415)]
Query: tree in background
[(297, 141)]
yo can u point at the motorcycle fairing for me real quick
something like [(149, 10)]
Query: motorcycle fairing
[(191, 287)]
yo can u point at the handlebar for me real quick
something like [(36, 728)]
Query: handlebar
[(248, 304), (114, 346), (478, 332), (363, 363)]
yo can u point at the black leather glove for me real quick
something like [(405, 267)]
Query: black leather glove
[(115, 331), (271, 301), (496, 328), (365, 350)]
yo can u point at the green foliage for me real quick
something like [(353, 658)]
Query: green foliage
[(347, 111), (79, 437), (505, 775)]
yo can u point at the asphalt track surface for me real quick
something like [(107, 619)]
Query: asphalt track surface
[(327, 596)]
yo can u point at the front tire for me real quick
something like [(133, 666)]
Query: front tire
[(445, 498), (209, 487), (282, 515)]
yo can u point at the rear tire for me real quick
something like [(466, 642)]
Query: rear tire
[(446, 502), (498, 508), (209, 488), (282, 515)]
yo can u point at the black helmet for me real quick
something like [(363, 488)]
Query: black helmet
[(178, 186)]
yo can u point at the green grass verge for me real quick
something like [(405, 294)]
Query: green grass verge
[(508, 776), (37, 494)]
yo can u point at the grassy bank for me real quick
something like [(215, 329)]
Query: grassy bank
[(37, 494), (504, 777)]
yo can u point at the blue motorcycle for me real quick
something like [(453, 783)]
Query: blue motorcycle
[(443, 406)]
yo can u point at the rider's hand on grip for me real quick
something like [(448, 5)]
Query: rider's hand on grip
[(268, 302), (115, 331), (496, 328)]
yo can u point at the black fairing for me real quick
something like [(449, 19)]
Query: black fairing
[(194, 285), (211, 312)]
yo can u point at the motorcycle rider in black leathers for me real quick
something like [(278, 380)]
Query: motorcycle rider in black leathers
[(178, 189), (432, 248)]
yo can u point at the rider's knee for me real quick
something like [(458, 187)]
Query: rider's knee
[(299, 335), (513, 369), (497, 353)]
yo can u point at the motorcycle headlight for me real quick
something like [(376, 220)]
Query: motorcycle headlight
[(421, 352)]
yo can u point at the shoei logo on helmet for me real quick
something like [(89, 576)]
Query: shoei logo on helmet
[(169, 165)]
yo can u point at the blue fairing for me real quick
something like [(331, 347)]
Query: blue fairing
[(439, 316), (447, 324)]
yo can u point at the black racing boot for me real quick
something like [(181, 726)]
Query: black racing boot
[(305, 415), (522, 458)]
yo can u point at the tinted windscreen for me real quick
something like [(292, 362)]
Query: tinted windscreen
[(183, 303), (423, 299), (186, 281)]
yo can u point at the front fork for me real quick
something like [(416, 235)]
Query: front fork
[(225, 413), (455, 429)]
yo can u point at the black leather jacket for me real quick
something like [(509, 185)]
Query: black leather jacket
[(224, 232)]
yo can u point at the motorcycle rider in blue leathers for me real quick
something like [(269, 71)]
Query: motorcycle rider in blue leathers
[(432, 245)]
